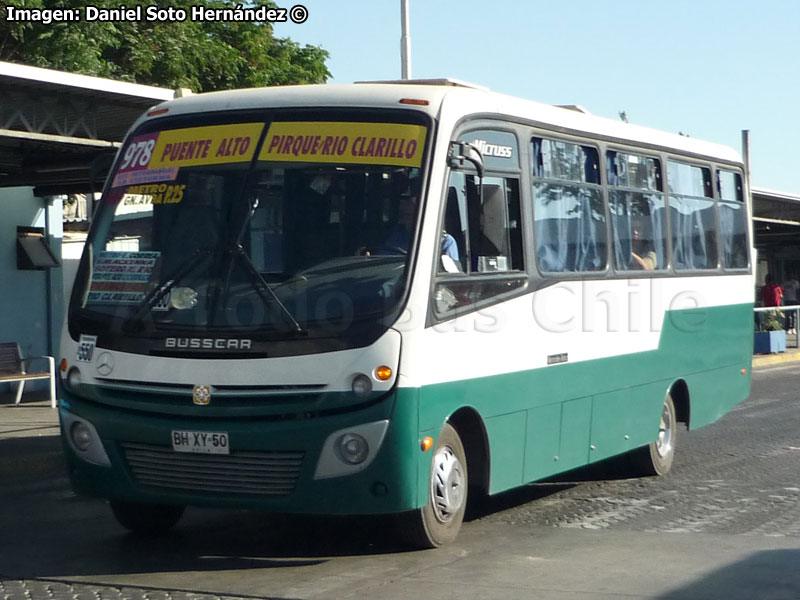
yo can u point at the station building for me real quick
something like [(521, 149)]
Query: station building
[(59, 133)]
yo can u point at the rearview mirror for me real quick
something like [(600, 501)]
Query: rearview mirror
[(461, 152)]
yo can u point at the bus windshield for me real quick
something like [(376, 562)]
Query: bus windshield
[(209, 231)]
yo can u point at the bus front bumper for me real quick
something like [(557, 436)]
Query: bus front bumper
[(287, 466)]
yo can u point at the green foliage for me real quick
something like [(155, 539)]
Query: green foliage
[(201, 55), (771, 320)]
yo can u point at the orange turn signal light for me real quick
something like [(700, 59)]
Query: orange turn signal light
[(158, 111), (63, 365), (414, 101), (383, 373), (744, 371), (426, 443)]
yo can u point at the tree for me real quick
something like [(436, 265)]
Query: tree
[(202, 55)]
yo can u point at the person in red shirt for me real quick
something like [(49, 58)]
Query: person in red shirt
[(771, 293)]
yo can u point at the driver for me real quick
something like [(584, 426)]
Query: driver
[(400, 234), (399, 237)]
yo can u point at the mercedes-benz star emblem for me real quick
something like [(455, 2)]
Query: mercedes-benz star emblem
[(105, 364)]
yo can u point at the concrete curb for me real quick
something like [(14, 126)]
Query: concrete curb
[(765, 360)]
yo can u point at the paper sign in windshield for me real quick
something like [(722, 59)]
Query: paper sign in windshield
[(121, 277), (393, 144), (155, 157)]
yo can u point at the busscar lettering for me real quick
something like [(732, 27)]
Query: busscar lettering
[(177, 343)]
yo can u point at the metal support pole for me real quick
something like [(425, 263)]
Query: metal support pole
[(405, 42), (748, 198)]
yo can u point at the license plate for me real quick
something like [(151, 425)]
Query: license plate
[(201, 442)]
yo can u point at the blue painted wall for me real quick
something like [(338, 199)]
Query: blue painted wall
[(31, 302)]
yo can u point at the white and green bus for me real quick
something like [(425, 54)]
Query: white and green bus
[(381, 298)]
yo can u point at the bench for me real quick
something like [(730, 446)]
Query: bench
[(13, 368)]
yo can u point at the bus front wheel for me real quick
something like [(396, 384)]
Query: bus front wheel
[(438, 522), (146, 519), (656, 458)]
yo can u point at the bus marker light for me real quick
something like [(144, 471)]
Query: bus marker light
[(427, 443), (414, 101), (158, 111), (383, 373), (744, 371), (63, 365)]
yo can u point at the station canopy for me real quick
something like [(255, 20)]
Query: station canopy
[(776, 220), (59, 131)]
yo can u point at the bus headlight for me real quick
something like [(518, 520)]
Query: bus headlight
[(362, 385), (74, 377), (350, 450)]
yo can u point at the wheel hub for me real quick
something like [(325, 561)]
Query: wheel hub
[(447, 484), (664, 443)]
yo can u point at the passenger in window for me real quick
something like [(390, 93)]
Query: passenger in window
[(449, 261), (643, 258)]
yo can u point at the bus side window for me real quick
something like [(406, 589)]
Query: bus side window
[(638, 212), (487, 237), (569, 212), (732, 220), (694, 242)]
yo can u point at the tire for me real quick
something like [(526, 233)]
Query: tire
[(438, 522), (146, 520), (656, 458)]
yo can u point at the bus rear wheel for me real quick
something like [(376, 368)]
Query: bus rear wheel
[(146, 519), (656, 458), (438, 522)]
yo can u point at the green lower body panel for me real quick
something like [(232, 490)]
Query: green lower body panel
[(285, 453), (536, 423), (549, 420)]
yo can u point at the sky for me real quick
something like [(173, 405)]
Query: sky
[(706, 68)]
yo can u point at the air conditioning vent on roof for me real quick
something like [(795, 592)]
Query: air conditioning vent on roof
[(440, 81), (574, 107)]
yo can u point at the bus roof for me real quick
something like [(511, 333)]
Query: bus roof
[(446, 96)]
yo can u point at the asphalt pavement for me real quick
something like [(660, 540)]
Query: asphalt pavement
[(544, 563)]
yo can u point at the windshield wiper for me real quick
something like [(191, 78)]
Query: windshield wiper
[(256, 279)]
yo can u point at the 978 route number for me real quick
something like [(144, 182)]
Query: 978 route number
[(201, 442)]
